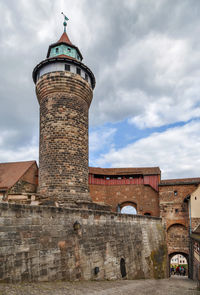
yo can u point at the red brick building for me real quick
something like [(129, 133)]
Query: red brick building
[(119, 187), (175, 213), (143, 189)]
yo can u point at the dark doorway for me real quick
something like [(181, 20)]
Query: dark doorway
[(123, 267)]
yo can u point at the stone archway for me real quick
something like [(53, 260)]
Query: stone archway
[(185, 255), (177, 238), (177, 242)]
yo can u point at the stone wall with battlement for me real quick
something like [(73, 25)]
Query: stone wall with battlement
[(40, 243)]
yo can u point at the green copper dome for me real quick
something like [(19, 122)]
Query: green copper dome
[(64, 47)]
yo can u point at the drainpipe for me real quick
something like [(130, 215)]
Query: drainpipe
[(190, 216), (188, 200), (190, 265)]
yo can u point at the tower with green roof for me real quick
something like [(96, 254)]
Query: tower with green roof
[(64, 88)]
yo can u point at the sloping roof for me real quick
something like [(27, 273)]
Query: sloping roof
[(11, 172), (180, 181), (195, 237), (64, 39), (125, 171), (197, 230)]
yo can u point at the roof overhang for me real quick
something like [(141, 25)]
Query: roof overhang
[(63, 59), (63, 43), (142, 171), (195, 237)]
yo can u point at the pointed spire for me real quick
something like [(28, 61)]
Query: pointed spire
[(64, 47), (64, 39)]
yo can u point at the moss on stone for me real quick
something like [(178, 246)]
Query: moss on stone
[(159, 259)]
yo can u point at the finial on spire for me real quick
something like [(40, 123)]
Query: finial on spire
[(65, 21)]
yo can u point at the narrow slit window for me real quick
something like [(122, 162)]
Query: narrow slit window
[(78, 71), (57, 50), (86, 77), (67, 68), (69, 49), (175, 193)]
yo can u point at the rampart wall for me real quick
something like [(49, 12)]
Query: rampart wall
[(39, 243)]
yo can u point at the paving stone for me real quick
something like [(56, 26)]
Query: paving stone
[(172, 286)]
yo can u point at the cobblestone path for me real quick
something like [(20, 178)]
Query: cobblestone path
[(172, 286)]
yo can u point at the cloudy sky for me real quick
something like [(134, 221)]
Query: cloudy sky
[(145, 55)]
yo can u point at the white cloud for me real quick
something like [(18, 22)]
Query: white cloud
[(100, 138), (175, 151), (22, 153), (146, 61), (154, 82)]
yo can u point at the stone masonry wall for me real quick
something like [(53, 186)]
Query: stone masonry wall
[(27, 183), (49, 243), (64, 100), (22, 186)]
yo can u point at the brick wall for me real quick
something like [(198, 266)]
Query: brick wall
[(64, 100), (178, 239), (41, 243), (144, 196), (174, 212)]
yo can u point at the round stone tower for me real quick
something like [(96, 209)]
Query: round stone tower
[(64, 88)]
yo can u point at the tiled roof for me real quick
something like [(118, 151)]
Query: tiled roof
[(125, 171), (180, 181), (61, 55), (11, 172), (64, 39)]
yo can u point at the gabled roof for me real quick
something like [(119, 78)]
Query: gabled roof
[(125, 171), (11, 172)]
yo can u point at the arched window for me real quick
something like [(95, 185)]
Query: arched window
[(128, 210)]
